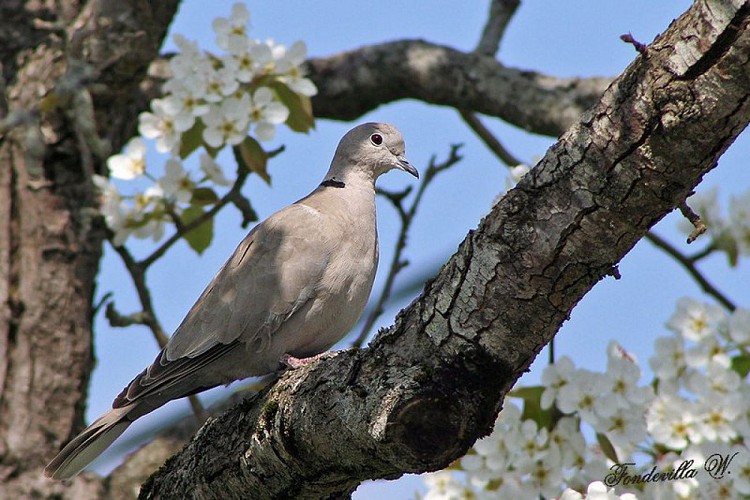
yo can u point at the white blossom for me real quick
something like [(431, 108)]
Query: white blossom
[(554, 377), (113, 208), (289, 66), (227, 122), (739, 221), (266, 113), (566, 435), (622, 381), (717, 380), (147, 215), (248, 61), (232, 32), (672, 421), (716, 418), (709, 350), (176, 182), (545, 473), (220, 84), (740, 467), (160, 125), (532, 445), (596, 491), (695, 320), (739, 327), (187, 100), (586, 395), (668, 361), (131, 163), (213, 171)]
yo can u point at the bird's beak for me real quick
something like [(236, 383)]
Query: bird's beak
[(406, 166)]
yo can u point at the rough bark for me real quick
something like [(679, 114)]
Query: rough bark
[(50, 241), (352, 83), (427, 387), (430, 385)]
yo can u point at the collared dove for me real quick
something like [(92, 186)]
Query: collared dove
[(294, 286)]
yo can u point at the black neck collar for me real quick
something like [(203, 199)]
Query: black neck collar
[(332, 183)]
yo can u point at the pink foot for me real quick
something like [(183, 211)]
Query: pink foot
[(291, 362)]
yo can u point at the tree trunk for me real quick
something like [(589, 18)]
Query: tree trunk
[(50, 236)]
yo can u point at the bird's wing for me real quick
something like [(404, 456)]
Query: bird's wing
[(273, 273)]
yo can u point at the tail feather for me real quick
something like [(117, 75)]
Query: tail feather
[(89, 444)]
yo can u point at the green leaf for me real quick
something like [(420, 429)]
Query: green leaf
[(532, 409), (199, 238), (741, 365), (607, 447), (300, 108), (254, 157), (204, 196), (728, 244), (190, 140)]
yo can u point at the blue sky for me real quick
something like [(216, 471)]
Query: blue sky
[(573, 38)]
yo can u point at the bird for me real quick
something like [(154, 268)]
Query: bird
[(294, 286)]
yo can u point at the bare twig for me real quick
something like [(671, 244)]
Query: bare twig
[(182, 229), (702, 254), (407, 217), (148, 317), (137, 273), (501, 11), (689, 266), (489, 139), (639, 47), (695, 220)]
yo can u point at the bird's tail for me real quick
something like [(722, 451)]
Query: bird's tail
[(89, 444)]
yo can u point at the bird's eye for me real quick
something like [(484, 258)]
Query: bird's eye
[(376, 139)]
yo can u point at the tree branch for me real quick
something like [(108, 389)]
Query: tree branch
[(429, 386), (182, 229), (489, 140), (501, 12), (693, 271), (352, 83)]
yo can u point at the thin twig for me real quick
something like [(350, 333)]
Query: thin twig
[(183, 229), (691, 269), (138, 274), (501, 11), (702, 254), (407, 217), (639, 47), (694, 219), (489, 139)]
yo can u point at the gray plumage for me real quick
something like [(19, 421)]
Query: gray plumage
[(294, 286)]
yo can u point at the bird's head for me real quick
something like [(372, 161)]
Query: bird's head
[(372, 149)]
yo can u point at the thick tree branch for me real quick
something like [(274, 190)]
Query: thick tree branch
[(355, 82), (433, 383)]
